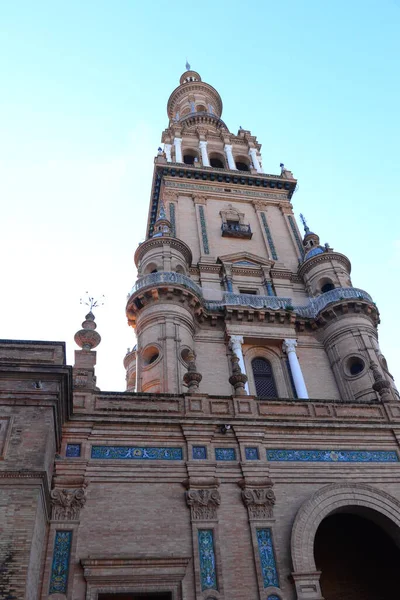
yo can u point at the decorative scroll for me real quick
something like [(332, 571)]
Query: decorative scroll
[(208, 574), (137, 453), (259, 502), (199, 452), (73, 450), (66, 504), (225, 454), (172, 217), (203, 504), (60, 565), (296, 235), (204, 230), (267, 558), (269, 236), (333, 455)]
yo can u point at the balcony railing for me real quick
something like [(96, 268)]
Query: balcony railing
[(167, 277), (236, 230), (310, 310)]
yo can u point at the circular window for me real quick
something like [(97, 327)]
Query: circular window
[(150, 355), (355, 365)]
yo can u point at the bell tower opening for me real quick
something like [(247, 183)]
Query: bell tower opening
[(358, 560)]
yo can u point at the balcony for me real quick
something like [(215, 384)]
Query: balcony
[(238, 230), (167, 278)]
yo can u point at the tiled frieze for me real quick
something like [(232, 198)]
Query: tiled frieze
[(199, 452), (296, 235), (251, 453), (73, 450), (267, 558), (137, 453), (60, 564), (208, 572), (172, 217), (269, 236), (278, 455), (225, 454)]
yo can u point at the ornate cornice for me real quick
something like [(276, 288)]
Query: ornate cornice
[(310, 263)]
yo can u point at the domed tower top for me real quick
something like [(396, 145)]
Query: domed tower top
[(311, 241), (193, 96)]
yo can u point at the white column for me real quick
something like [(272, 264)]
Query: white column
[(167, 150), (178, 149), (289, 346), (254, 159), (229, 157), (204, 153), (235, 343)]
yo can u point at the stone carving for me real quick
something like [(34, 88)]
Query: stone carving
[(237, 379), (259, 502), (66, 504), (192, 378), (381, 385), (203, 503)]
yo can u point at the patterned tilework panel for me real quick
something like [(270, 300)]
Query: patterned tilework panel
[(137, 453), (73, 450), (332, 455), (296, 235), (208, 573), (251, 453), (267, 558), (269, 236), (273, 597), (204, 230), (60, 566), (199, 452), (172, 217), (225, 454)]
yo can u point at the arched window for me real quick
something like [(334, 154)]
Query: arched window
[(190, 157), (263, 378), (327, 287), (217, 160)]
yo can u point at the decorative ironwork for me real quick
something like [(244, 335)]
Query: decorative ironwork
[(204, 230), (172, 218), (264, 378), (169, 277), (137, 453), (267, 558), (199, 452), (280, 455), (225, 454), (239, 230), (251, 454), (296, 234), (91, 302), (269, 236), (60, 565), (316, 305), (73, 450), (208, 573)]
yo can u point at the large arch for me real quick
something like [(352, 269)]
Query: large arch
[(327, 500)]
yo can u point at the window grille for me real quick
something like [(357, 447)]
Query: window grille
[(264, 378)]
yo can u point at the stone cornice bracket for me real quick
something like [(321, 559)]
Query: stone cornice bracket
[(259, 498), (66, 504), (203, 503)]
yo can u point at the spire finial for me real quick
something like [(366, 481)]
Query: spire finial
[(187, 65), (306, 227)]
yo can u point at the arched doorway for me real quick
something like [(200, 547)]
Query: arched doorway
[(357, 558)]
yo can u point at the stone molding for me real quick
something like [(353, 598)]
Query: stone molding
[(203, 503), (310, 263), (324, 502), (66, 504), (163, 241)]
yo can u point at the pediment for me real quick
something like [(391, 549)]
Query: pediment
[(245, 259)]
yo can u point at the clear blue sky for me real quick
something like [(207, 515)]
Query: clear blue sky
[(83, 105)]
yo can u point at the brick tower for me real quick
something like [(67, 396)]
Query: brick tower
[(255, 453)]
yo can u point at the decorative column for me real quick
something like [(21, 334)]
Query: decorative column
[(167, 150), (204, 153), (178, 149), (235, 344), (229, 157), (254, 160), (289, 346)]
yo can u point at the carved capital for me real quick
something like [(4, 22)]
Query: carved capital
[(199, 199), (66, 504), (203, 503), (259, 501)]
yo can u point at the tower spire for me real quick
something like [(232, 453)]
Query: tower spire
[(306, 227), (187, 65)]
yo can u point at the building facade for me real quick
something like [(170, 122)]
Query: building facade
[(255, 453)]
